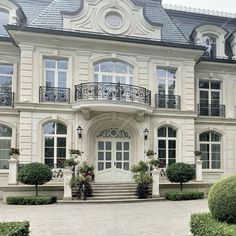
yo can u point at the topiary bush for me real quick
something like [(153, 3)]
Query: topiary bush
[(180, 173), (28, 200), (35, 174), (183, 196), (222, 200), (14, 229), (205, 225), (143, 180)]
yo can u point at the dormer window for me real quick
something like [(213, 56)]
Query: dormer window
[(4, 20), (209, 41)]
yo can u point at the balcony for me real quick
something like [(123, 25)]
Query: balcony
[(54, 95), (6, 99), (100, 96), (211, 110), (167, 101)]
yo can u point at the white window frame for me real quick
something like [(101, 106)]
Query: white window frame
[(129, 77), (6, 138), (2, 9), (210, 143), (55, 136), (166, 139), (166, 79), (56, 71)]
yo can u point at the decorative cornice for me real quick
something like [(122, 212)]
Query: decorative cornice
[(199, 11)]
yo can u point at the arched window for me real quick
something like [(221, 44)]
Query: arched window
[(113, 72), (167, 145), (4, 20), (5, 146), (209, 41), (210, 146), (55, 135)]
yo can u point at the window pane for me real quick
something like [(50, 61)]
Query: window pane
[(172, 154), (100, 166), (126, 146), (215, 137), (61, 129), (215, 148), (100, 145), (118, 145), (126, 156), (61, 142), (62, 79), (50, 78), (100, 156), (108, 165), (205, 148), (215, 85), (50, 63), (61, 152), (49, 128), (5, 144), (5, 84), (215, 157), (119, 165), (5, 131), (161, 144), (108, 156), (205, 137), (161, 73), (171, 132), (121, 68), (162, 132), (171, 74), (106, 66), (6, 69), (216, 165), (49, 142), (204, 84), (126, 166), (49, 152), (62, 64), (172, 144), (4, 20), (49, 162), (162, 154), (119, 156), (108, 145)]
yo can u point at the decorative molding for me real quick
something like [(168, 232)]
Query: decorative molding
[(86, 113), (140, 116), (113, 133), (199, 11)]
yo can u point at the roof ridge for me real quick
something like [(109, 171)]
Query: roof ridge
[(199, 10)]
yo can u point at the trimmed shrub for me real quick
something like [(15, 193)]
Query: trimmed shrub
[(182, 196), (35, 174), (14, 229), (143, 180), (222, 200), (41, 200), (140, 167), (180, 173), (205, 225)]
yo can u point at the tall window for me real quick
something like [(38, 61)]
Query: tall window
[(113, 72), (209, 41), (56, 72), (4, 20), (210, 146), (5, 146), (55, 135), (166, 84), (6, 73), (167, 145), (210, 97)]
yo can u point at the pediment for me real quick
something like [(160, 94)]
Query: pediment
[(115, 17)]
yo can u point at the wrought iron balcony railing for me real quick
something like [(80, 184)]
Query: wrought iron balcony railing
[(168, 101), (54, 94), (6, 99), (112, 91), (211, 110)]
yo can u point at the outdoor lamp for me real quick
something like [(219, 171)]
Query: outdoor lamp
[(79, 130), (146, 132)]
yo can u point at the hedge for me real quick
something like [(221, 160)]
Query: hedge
[(14, 229), (180, 196), (205, 225), (31, 200)]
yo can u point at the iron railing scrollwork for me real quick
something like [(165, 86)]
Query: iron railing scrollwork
[(6, 98), (54, 94), (112, 91), (168, 101), (211, 110)]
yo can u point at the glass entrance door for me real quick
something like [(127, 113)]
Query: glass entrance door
[(113, 160)]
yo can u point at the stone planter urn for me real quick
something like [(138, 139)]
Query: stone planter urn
[(14, 156)]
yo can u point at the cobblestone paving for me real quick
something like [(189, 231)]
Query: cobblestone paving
[(142, 219)]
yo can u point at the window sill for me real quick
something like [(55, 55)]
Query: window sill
[(213, 171), (4, 171)]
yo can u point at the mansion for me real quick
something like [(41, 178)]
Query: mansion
[(113, 79)]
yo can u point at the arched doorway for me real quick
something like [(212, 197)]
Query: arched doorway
[(113, 155)]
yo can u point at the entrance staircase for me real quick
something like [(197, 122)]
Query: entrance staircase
[(112, 193)]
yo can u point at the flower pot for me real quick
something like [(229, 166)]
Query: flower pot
[(14, 157)]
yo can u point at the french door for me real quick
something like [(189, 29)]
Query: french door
[(113, 160)]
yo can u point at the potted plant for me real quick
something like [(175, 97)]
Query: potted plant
[(154, 164), (150, 153), (14, 153), (69, 163), (198, 155)]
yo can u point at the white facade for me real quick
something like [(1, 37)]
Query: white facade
[(100, 117)]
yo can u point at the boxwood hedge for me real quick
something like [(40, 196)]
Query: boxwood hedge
[(205, 225), (31, 200), (181, 196), (14, 229)]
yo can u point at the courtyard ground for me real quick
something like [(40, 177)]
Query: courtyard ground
[(142, 219)]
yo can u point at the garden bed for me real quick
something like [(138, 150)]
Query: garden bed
[(14, 229), (31, 200), (183, 196)]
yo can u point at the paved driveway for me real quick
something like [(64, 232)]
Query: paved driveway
[(134, 219)]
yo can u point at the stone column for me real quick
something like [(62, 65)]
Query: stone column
[(67, 188), (13, 171), (156, 183), (199, 171)]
